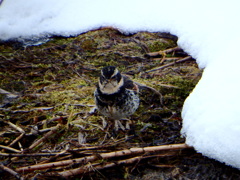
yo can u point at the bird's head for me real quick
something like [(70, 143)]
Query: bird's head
[(110, 80)]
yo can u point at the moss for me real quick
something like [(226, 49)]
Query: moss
[(88, 44), (158, 45)]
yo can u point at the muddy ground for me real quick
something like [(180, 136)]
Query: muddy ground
[(47, 110)]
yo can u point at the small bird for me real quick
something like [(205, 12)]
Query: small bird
[(116, 96)]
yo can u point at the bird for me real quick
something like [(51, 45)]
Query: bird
[(116, 96)]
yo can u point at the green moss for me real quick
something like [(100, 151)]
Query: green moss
[(158, 45), (88, 44), (40, 65)]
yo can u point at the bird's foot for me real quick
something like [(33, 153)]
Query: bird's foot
[(104, 123), (118, 125)]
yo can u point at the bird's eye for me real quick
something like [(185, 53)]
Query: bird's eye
[(115, 78)]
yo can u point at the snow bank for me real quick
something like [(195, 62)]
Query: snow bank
[(207, 30)]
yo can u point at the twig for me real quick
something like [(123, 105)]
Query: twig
[(152, 89), (82, 76), (15, 174), (2, 91), (82, 105), (44, 137), (87, 159), (162, 165), (10, 149), (20, 146), (97, 166), (15, 127), (31, 154), (33, 109), (17, 139), (170, 64), (167, 85), (142, 45), (137, 58), (166, 59), (8, 94), (91, 167), (55, 164), (152, 54), (41, 131), (55, 157)]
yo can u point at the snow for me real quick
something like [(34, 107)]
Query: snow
[(207, 30)]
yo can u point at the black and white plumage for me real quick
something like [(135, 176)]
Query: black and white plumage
[(116, 96)]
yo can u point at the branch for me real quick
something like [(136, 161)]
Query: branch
[(32, 154), (15, 127), (84, 160), (53, 131), (170, 64), (15, 174), (10, 149), (92, 167), (152, 54), (17, 139)]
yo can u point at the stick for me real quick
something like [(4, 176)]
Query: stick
[(87, 159), (15, 127), (15, 174), (97, 166), (152, 89), (17, 139), (55, 157), (152, 54), (166, 59), (44, 137), (85, 148), (31, 154), (10, 149), (41, 131), (170, 64)]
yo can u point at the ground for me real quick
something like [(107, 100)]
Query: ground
[(47, 109)]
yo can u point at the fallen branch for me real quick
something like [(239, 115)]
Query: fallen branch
[(15, 127), (97, 166), (44, 137), (15, 174), (10, 149), (167, 59), (153, 54), (17, 139), (33, 109), (170, 64), (84, 160), (31, 154), (34, 132), (55, 157), (7, 93)]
